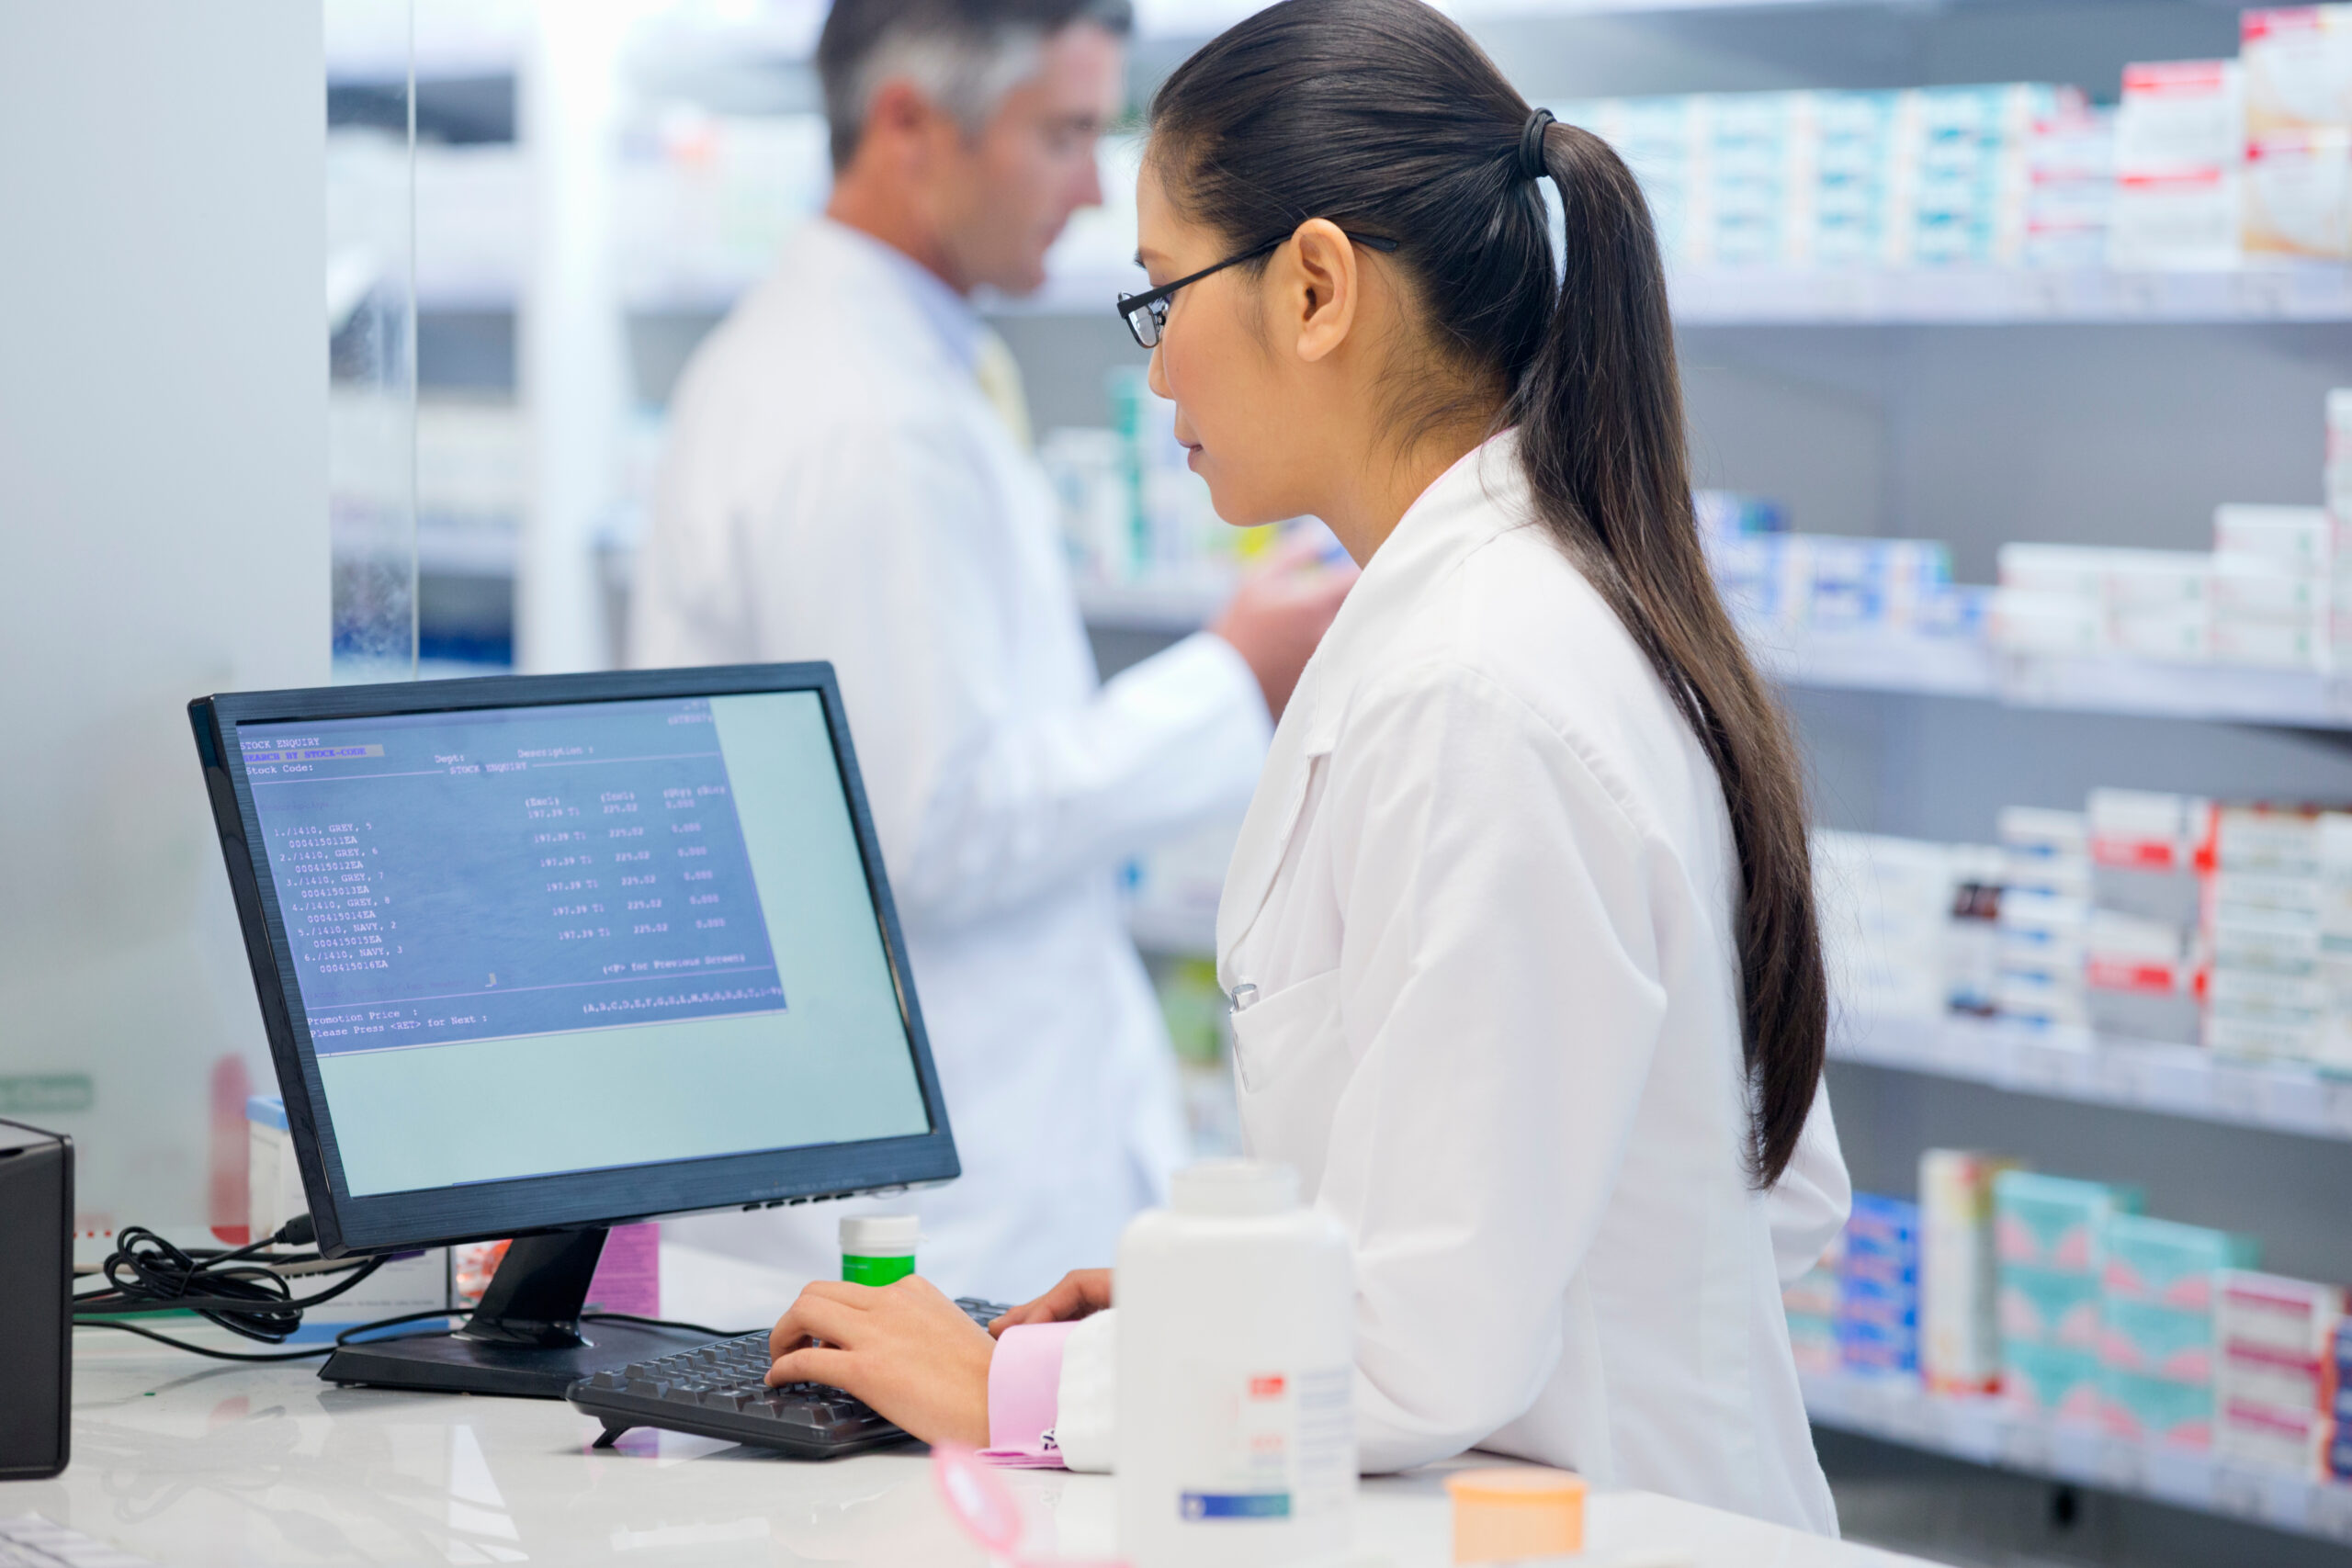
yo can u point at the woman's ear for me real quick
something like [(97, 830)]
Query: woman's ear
[(1319, 290)]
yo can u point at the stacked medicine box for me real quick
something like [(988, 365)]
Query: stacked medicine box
[(2051, 1233), (2272, 1341), (2064, 1299), (2296, 196), (1878, 1284), (2160, 1283), (2279, 920), (1924, 177)]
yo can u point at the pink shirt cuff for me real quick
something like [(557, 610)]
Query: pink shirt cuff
[(1024, 1395)]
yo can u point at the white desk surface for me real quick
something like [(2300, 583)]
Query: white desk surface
[(196, 1463)]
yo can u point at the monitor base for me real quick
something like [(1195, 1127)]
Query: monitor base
[(527, 1339), (445, 1363)]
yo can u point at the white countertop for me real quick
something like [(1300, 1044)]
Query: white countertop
[(196, 1463)]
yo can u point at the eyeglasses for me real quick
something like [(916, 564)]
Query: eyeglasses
[(1146, 314)]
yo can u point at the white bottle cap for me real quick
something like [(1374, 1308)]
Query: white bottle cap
[(880, 1235), (1235, 1187)]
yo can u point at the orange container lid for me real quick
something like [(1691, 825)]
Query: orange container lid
[(1515, 1485)]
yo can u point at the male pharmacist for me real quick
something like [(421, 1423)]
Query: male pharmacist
[(848, 479)]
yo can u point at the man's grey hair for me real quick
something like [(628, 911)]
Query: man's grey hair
[(963, 55)]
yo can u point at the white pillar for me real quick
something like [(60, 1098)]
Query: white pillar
[(163, 534), (572, 375)]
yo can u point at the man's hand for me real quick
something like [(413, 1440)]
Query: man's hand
[(1280, 612), (904, 1348), (1082, 1293)]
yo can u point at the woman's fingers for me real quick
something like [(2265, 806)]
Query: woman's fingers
[(815, 1363), (1081, 1293), (818, 1314), (905, 1350)]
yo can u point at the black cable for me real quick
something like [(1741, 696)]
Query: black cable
[(202, 1350), (146, 1273), (346, 1337), (663, 1323)]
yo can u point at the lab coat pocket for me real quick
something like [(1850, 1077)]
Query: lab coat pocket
[(1291, 1060)]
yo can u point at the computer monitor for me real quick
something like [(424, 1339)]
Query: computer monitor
[(538, 956)]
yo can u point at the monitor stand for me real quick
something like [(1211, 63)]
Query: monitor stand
[(526, 1339)]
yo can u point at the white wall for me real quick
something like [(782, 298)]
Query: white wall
[(163, 533)]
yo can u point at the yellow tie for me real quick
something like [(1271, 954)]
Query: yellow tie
[(999, 377)]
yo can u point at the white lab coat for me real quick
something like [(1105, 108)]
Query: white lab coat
[(837, 487), (1485, 896)]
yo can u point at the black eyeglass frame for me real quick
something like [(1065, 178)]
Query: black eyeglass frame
[(1154, 302)]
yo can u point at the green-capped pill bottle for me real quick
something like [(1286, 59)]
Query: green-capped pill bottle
[(878, 1248)]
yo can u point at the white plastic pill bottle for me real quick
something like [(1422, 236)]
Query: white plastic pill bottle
[(1236, 1440)]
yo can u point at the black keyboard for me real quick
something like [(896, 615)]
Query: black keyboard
[(716, 1390)]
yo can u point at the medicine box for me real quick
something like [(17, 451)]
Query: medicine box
[(2271, 1380), (2050, 1306), (2050, 1382), (2156, 1341), (2298, 65), (2054, 1222), (2143, 1409), (2169, 1264), (2293, 538), (2296, 196), (2263, 1435), (1960, 1350), (2179, 140), (1878, 1306), (1855, 180), (2271, 1311), (2283, 841)]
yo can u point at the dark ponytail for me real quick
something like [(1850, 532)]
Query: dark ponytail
[(1384, 118)]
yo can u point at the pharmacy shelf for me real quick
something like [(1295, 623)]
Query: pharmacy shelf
[(1918, 665), (1963, 667), (1984, 1431), (2170, 1081), (1962, 296)]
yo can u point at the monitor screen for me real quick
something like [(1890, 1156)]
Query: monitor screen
[(524, 941)]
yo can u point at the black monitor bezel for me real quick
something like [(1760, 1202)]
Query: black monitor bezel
[(617, 1195)]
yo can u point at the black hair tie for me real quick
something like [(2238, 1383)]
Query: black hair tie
[(1531, 145)]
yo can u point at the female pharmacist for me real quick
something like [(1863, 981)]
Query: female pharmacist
[(1520, 930)]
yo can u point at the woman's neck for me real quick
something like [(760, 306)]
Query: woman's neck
[(1367, 506)]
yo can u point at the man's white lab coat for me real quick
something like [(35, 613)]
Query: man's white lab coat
[(837, 487), (1484, 896)]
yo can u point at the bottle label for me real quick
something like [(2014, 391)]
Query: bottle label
[(859, 1271), (1266, 1443)]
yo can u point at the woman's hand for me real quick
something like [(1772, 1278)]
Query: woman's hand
[(904, 1348), (1082, 1293)]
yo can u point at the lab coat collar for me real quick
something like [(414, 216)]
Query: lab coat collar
[(947, 314), (1483, 495)]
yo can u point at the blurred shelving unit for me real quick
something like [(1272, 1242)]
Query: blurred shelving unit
[(1984, 1431), (2169, 1081)]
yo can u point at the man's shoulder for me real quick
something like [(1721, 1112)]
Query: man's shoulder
[(782, 379)]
